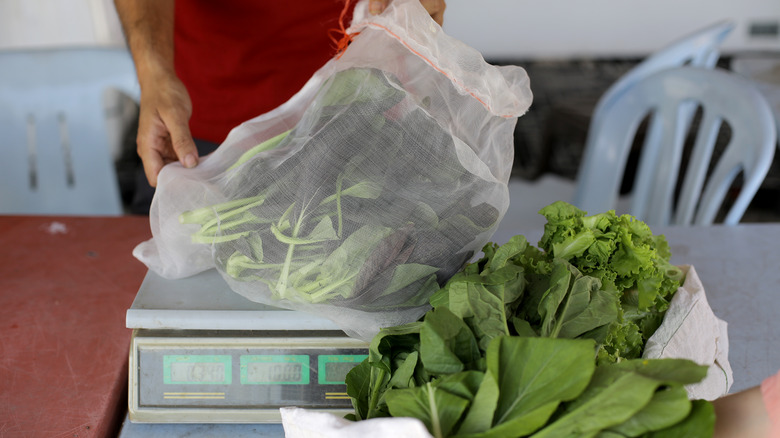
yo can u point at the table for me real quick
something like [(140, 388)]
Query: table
[(737, 266), (67, 282), (65, 285)]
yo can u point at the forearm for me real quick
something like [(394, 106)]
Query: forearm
[(754, 412), (741, 415), (148, 28)]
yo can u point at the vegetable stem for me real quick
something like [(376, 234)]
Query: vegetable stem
[(320, 295), (373, 401), (281, 286), (264, 146), (435, 423)]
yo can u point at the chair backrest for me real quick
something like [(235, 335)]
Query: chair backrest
[(53, 137), (699, 49), (724, 97)]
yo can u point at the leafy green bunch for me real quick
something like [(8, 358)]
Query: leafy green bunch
[(363, 204), (524, 342), (631, 266)]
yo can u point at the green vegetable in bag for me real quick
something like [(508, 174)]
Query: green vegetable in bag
[(363, 205)]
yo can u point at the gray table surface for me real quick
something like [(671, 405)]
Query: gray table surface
[(739, 268)]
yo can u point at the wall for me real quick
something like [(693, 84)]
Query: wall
[(498, 28), (53, 23), (600, 28)]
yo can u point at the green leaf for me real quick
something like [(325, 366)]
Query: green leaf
[(392, 340), (560, 211), (619, 391), (483, 311), (503, 255), (323, 231), (372, 382), (354, 85), (403, 377), (535, 375), (523, 327), (464, 384), (438, 409), (630, 258), (447, 345), (604, 404), (410, 273), (337, 273), (666, 371), (358, 382), (602, 308), (560, 280), (700, 423), (237, 263), (363, 189), (574, 304), (574, 246), (479, 417), (668, 406)]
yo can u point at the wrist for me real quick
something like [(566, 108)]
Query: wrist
[(770, 392)]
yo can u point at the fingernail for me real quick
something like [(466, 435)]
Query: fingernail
[(375, 8), (190, 161)]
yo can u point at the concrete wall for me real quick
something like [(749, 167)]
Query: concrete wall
[(498, 28), (603, 28), (56, 23)]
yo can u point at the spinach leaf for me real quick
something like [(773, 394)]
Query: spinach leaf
[(438, 409), (359, 388), (390, 350), (482, 310), (529, 373), (447, 345), (669, 406), (574, 304), (700, 423), (405, 367), (604, 404), (620, 391), (479, 418)]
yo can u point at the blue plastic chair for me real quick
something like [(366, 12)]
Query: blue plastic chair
[(55, 144), (667, 95), (699, 49)]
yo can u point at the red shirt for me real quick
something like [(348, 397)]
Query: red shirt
[(242, 58)]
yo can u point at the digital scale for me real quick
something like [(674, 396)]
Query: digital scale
[(201, 353)]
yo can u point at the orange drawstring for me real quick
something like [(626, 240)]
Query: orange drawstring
[(345, 38)]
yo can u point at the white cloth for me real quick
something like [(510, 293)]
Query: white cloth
[(690, 330), (303, 423)]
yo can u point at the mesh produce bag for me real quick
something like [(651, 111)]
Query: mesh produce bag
[(366, 190)]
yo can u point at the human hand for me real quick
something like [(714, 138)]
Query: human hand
[(434, 7), (163, 126)]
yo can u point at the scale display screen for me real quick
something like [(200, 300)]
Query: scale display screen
[(290, 369), (213, 375), (196, 370)]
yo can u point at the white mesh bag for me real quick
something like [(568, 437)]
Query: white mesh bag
[(366, 190)]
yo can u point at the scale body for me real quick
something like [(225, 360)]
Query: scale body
[(201, 353)]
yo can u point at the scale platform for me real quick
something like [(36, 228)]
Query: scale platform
[(201, 353)]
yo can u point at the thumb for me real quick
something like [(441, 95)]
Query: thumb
[(183, 144), (376, 6)]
